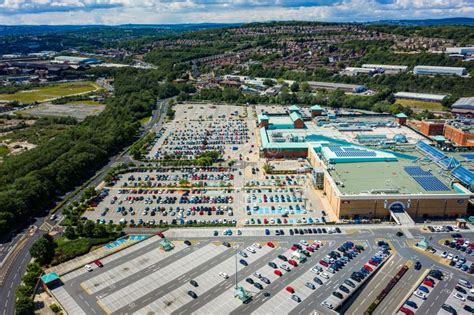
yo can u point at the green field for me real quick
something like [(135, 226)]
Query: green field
[(85, 102), (3, 150), (420, 104), (51, 92)]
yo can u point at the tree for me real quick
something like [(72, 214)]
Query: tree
[(88, 230), (24, 306), (295, 87), (70, 232), (269, 82), (43, 249), (305, 87)]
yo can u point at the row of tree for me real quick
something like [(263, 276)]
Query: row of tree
[(31, 182)]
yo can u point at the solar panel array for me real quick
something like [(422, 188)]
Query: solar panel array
[(464, 175), (431, 183), (425, 179), (416, 171), (351, 152)]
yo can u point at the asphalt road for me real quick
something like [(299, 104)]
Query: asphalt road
[(12, 278)]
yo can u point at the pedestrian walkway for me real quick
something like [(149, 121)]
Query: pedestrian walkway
[(67, 302)]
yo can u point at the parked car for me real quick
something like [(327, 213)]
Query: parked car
[(99, 263)]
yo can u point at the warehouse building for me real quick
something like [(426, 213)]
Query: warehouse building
[(460, 50), (433, 70), (463, 106), (420, 96), (351, 88), (389, 68)]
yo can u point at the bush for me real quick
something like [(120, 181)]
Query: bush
[(55, 308), (69, 249)]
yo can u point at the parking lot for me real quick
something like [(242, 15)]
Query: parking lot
[(291, 273), (206, 195), (197, 129)]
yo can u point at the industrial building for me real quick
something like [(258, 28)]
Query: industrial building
[(420, 96), (460, 50), (351, 88), (353, 71), (387, 170), (72, 60), (463, 106), (390, 68), (433, 70)]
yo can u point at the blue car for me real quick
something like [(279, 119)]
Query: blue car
[(267, 232), (244, 262), (411, 303), (423, 289)]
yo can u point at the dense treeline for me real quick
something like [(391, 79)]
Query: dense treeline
[(31, 181)]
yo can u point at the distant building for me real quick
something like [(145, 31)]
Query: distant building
[(464, 105), (433, 70), (72, 60), (297, 120), (353, 71), (420, 96), (354, 88), (460, 50), (392, 68)]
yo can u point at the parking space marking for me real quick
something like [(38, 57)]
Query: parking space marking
[(67, 301), (155, 280), (127, 269)]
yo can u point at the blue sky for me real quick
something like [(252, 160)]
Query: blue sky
[(196, 11)]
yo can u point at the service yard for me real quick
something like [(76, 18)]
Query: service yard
[(283, 271), (78, 110)]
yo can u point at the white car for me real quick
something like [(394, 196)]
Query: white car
[(303, 242), (285, 267), (450, 256), (257, 274), (327, 304), (420, 294), (251, 249), (88, 267), (223, 275), (324, 275), (444, 254), (459, 296), (256, 245), (315, 270)]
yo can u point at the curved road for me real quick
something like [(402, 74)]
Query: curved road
[(14, 266)]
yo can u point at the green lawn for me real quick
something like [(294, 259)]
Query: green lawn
[(50, 92), (145, 120), (68, 249), (4, 150), (420, 104)]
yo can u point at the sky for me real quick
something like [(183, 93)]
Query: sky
[(112, 12)]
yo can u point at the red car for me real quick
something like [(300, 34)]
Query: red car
[(270, 244), (310, 249), (99, 263), (428, 283), (406, 311), (292, 262), (322, 262), (368, 268), (294, 247), (265, 221), (290, 289), (278, 273), (160, 234)]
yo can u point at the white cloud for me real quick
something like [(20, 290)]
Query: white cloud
[(195, 11)]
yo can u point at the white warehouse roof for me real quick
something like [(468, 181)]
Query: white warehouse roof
[(385, 67), (420, 96)]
